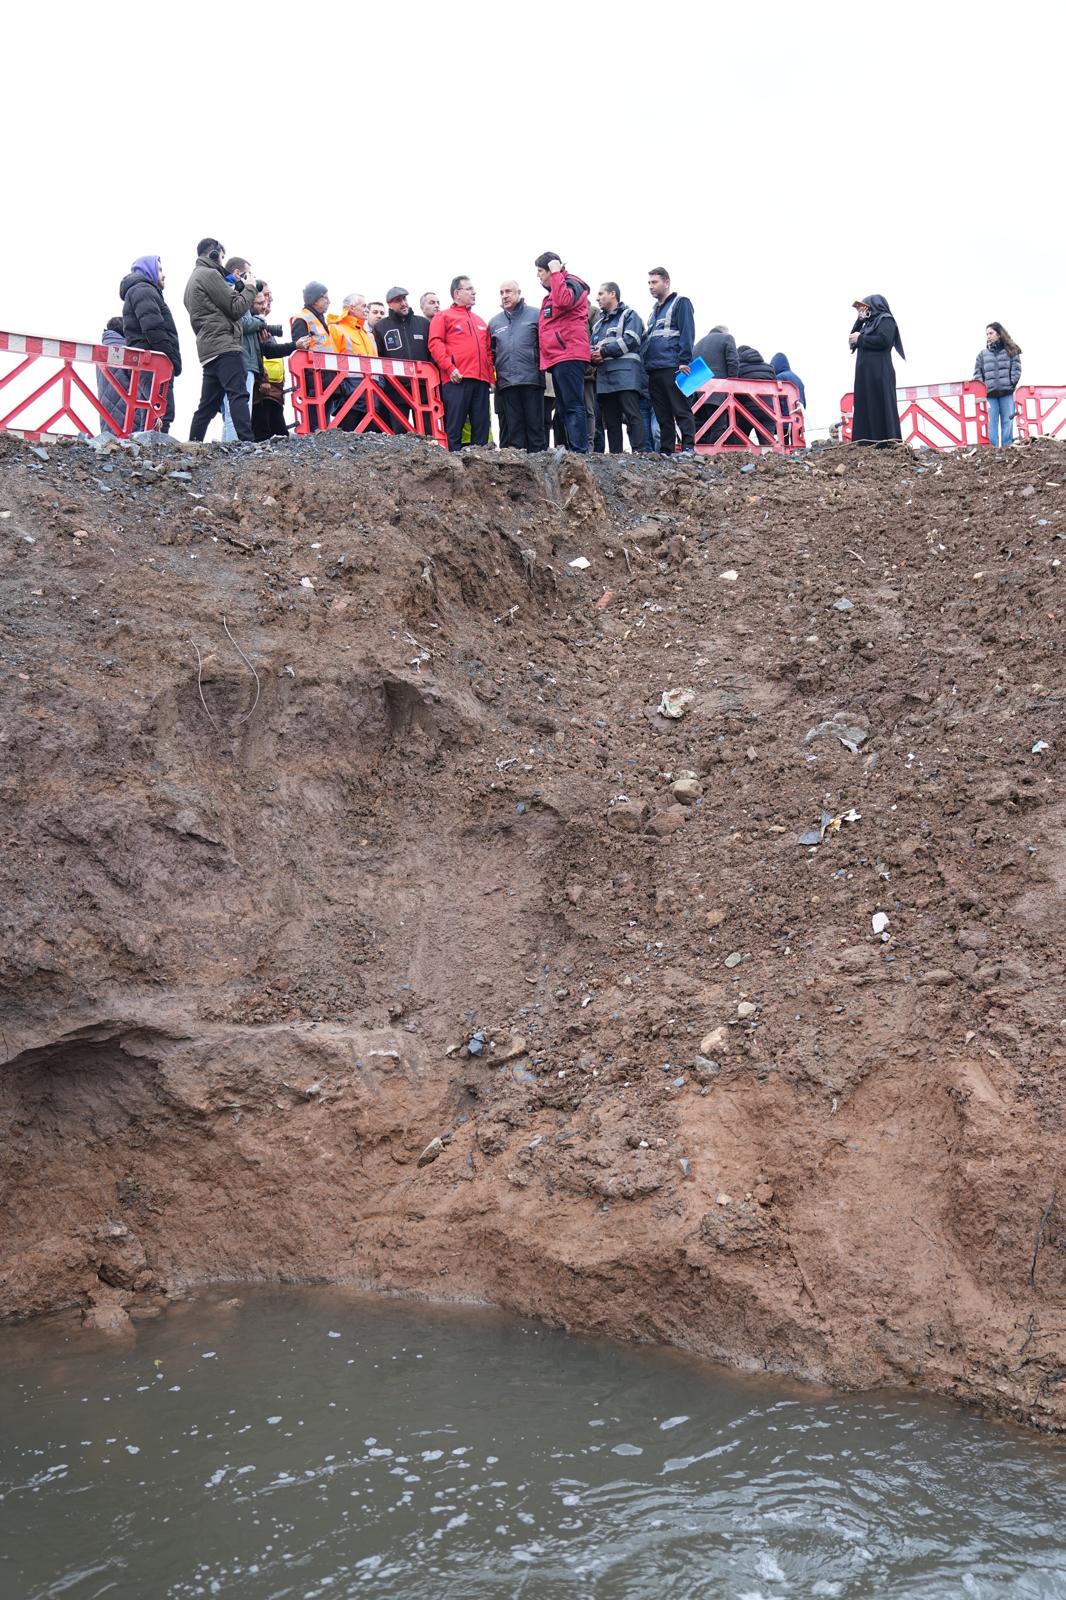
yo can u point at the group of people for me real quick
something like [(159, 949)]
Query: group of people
[(581, 376)]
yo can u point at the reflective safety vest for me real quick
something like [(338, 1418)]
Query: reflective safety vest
[(320, 339), (351, 337)]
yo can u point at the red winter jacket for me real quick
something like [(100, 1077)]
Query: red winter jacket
[(459, 338), (564, 321)]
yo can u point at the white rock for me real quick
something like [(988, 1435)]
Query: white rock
[(879, 921)]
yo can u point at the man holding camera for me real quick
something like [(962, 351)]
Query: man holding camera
[(216, 305)]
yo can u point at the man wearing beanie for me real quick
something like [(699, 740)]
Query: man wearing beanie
[(216, 305), (311, 324)]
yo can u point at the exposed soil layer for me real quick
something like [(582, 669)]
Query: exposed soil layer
[(273, 849)]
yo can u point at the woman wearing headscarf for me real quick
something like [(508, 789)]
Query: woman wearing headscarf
[(873, 339), (148, 325), (999, 368)]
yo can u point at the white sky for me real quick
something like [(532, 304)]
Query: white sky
[(779, 159)]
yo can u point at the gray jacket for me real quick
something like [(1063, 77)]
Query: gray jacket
[(617, 335), (999, 372), (215, 309), (719, 350), (515, 337)]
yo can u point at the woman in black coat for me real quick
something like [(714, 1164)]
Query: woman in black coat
[(873, 338), (148, 325)]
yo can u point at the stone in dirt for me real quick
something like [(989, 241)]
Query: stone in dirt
[(431, 1152), (686, 790), (629, 816)]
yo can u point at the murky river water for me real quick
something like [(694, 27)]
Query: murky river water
[(310, 1444)]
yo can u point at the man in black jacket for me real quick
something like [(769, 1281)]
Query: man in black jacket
[(148, 325), (752, 365), (403, 336), (719, 349)]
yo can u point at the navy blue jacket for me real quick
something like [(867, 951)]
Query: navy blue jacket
[(786, 374), (670, 335), (617, 335)]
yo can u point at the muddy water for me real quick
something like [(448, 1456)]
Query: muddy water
[(305, 1443)]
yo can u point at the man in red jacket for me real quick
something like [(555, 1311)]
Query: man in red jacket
[(459, 344), (564, 345)]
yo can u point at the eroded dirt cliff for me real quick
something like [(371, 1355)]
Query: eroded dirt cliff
[(319, 762)]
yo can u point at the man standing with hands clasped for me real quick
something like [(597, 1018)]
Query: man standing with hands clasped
[(668, 351), (459, 344)]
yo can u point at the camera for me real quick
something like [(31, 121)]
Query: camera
[(275, 330)]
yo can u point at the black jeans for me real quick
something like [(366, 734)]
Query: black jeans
[(520, 408), (623, 405), (225, 375), (569, 380), (268, 419), (670, 406), (467, 398)]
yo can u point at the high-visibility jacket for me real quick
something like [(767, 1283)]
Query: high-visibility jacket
[(320, 339), (350, 335)]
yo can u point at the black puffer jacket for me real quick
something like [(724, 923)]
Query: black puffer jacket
[(752, 365), (999, 371), (146, 320)]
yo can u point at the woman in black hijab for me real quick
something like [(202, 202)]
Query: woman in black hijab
[(873, 338)]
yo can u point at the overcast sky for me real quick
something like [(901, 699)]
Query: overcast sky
[(780, 160)]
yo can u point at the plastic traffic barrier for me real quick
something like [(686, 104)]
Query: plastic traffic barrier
[(367, 394), (753, 414), (47, 385), (941, 416)]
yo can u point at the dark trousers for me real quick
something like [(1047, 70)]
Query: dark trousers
[(469, 398), (520, 408), (569, 380), (224, 376), (268, 419), (622, 406), (670, 407)]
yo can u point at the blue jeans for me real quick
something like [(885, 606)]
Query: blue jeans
[(229, 432), (1000, 418), (568, 381), (651, 424)]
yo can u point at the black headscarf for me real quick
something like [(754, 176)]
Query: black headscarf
[(879, 308)]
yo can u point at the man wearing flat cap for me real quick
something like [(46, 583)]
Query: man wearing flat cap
[(403, 336)]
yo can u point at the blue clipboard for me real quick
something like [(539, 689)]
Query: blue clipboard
[(698, 374)]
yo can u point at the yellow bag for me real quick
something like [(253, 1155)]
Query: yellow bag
[(274, 369)]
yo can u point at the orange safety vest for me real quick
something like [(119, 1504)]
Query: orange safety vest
[(351, 336), (320, 339)]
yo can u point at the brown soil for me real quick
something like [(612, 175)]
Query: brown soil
[(249, 914)]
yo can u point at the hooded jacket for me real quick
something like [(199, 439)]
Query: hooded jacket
[(999, 371), (146, 320), (783, 371), (564, 324), (752, 365), (109, 397), (671, 332), (516, 346), (215, 308), (459, 339), (617, 336)]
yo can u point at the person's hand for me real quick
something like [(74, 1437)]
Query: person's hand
[(555, 266), (455, 376), (596, 358), (685, 370), (304, 343), (853, 339)]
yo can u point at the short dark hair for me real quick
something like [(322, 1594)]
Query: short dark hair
[(659, 272), (235, 264), (546, 256), (612, 288), (114, 324), (206, 246), (380, 303), (457, 283)]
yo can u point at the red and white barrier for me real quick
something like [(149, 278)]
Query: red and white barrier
[(752, 414), (1040, 411), (388, 396), (52, 371), (941, 416)]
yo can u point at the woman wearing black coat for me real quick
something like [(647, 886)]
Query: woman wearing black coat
[(147, 323), (873, 338)]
